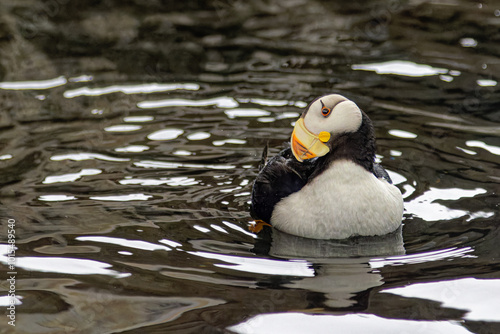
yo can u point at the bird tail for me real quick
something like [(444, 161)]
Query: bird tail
[(263, 159)]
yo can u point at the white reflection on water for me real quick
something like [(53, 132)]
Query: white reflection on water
[(138, 119), (402, 134), (218, 228), (468, 42), (172, 165), (422, 257), (201, 228), (486, 83), (132, 149), (171, 243), (171, 181), (165, 134), (122, 128), (81, 78), (35, 84), (137, 244), (6, 300), (85, 156), (266, 119), (220, 102), (182, 152), (261, 266), (229, 190), (125, 253), (289, 114), (61, 265), (426, 207), (122, 198), (129, 89), (446, 78), (246, 112), (56, 198), (229, 141), (478, 296), (490, 148), (465, 150), (6, 157), (273, 103), (283, 115), (294, 322), (198, 135), (71, 177), (401, 67), (238, 228)]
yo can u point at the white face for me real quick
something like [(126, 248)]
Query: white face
[(333, 113)]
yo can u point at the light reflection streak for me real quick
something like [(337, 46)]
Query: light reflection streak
[(490, 148), (426, 206), (171, 181), (261, 266), (401, 67), (129, 89), (136, 244), (35, 84), (238, 228), (61, 265), (478, 296), (7, 300), (220, 102), (122, 128), (86, 156), (402, 134), (294, 323), (122, 198), (246, 112), (71, 177), (173, 165), (273, 103), (165, 134), (138, 119), (422, 257), (229, 141), (132, 149), (56, 198)]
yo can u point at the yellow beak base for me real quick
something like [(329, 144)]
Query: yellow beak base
[(305, 144)]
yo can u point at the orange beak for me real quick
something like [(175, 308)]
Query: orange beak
[(307, 145)]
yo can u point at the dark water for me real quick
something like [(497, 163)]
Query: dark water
[(131, 133)]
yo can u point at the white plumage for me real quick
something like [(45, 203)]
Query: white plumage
[(347, 200)]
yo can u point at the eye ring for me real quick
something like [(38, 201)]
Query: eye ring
[(324, 110)]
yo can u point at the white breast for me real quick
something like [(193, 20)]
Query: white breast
[(344, 201)]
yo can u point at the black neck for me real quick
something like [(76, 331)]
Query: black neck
[(358, 147)]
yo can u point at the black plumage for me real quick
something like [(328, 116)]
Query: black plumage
[(281, 176)]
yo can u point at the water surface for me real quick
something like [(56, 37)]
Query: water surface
[(131, 135)]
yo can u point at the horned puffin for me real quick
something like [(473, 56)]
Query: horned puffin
[(327, 184)]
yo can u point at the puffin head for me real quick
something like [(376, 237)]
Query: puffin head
[(324, 119)]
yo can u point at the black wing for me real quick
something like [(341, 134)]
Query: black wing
[(280, 177), (381, 173)]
